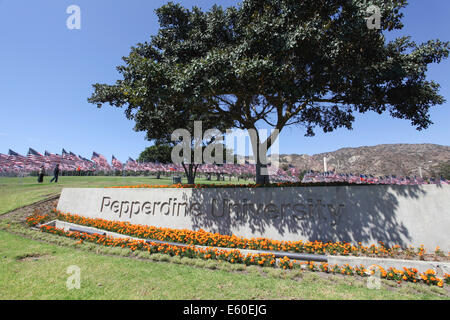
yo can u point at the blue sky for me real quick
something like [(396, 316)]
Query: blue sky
[(46, 73)]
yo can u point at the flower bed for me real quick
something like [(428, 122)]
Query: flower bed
[(205, 238), (234, 256), (36, 219)]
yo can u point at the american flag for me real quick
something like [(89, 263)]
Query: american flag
[(77, 162), (67, 161), (17, 161), (116, 163), (131, 165), (64, 153), (13, 153), (4, 163), (100, 161), (34, 156), (52, 158), (88, 165)]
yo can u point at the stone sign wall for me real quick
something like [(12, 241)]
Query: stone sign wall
[(403, 215)]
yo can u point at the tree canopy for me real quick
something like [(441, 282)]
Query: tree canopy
[(156, 153), (279, 63)]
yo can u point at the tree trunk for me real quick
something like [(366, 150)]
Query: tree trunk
[(260, 153), (190, 171), (262, 176)]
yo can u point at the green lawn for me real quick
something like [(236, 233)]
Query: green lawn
[(43, 276), (18, 192)]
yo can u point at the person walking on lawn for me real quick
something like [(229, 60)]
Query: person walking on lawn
[(41, 174), (55, 174)]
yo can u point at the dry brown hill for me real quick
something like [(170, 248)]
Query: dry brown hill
[(384, 159)]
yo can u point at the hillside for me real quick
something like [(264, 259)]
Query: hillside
[(399, 159)]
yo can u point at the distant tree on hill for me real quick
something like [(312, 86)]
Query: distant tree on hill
[(442, 170)]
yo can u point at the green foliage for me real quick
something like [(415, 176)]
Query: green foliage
[(302, 174), (156, 153), (279, 62)]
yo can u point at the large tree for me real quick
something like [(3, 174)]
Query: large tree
[(279, 63), (156, 153)]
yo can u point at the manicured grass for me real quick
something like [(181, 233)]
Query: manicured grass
[(18, 192), (34, 270)]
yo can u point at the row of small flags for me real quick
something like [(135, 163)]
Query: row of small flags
[(68, 161), (14, 161), (331, 176)]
